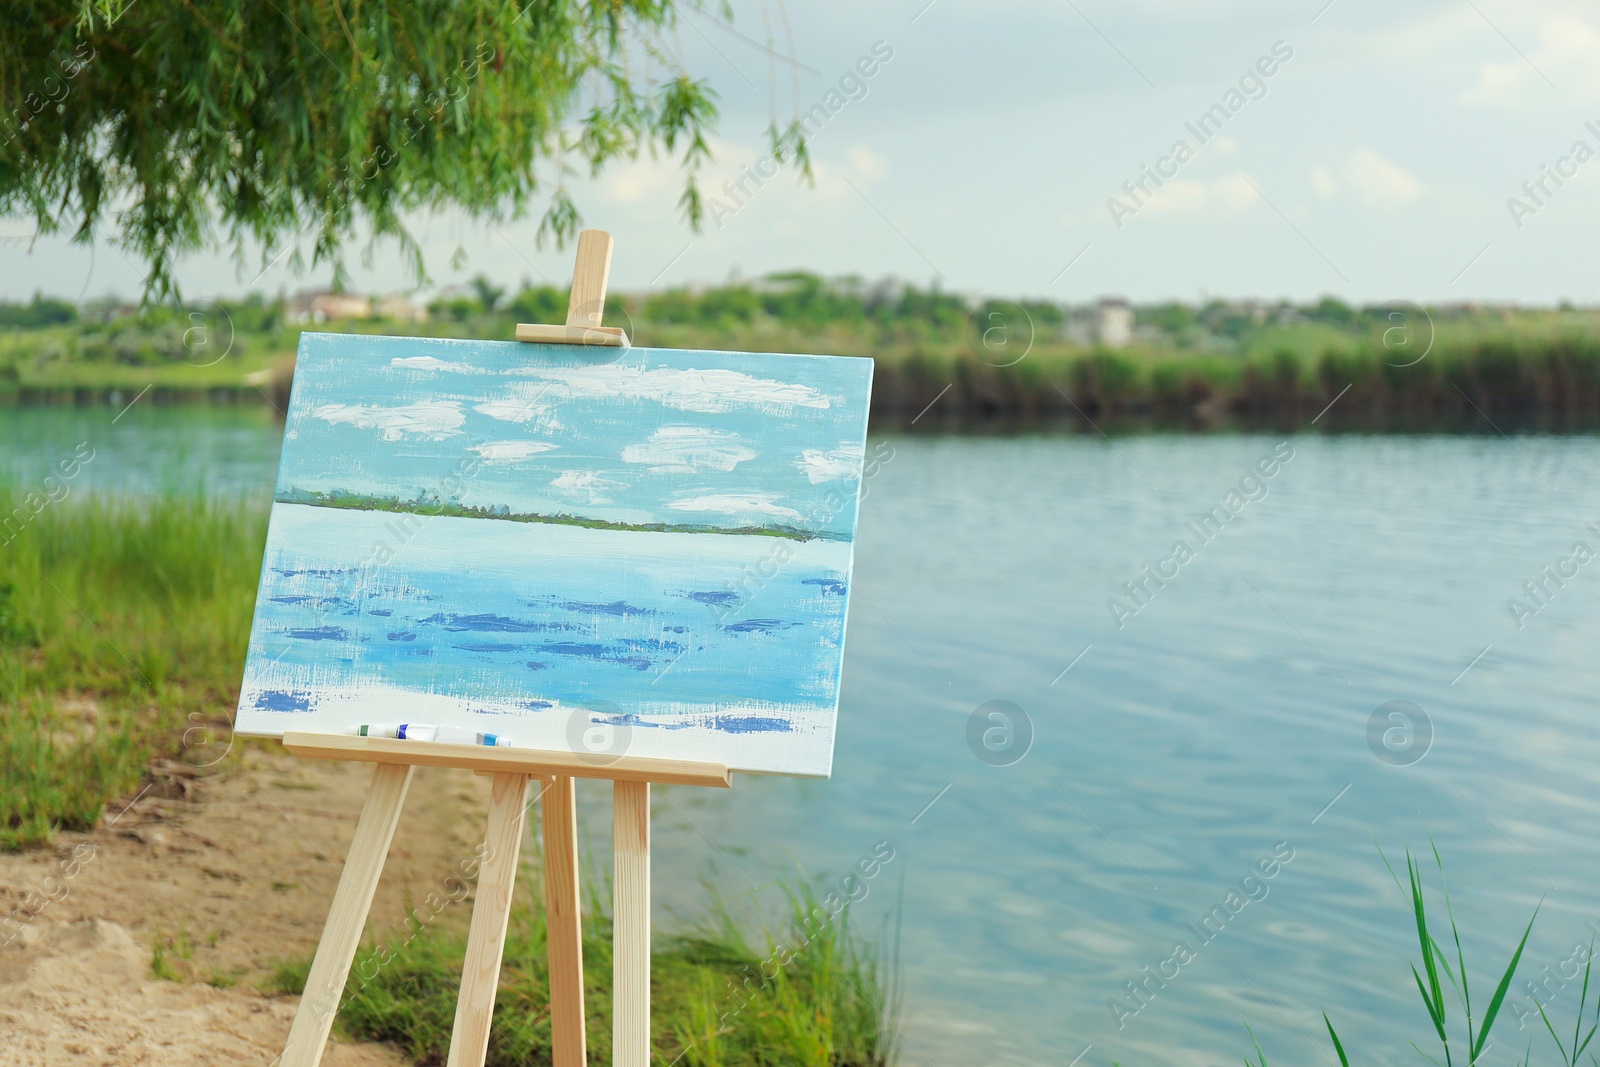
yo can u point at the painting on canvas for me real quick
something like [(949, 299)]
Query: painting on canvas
[(640, 551)]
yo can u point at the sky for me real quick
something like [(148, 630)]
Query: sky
[(1384, 157), (627, 435)]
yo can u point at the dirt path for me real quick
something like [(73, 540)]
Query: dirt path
[(147, 940)]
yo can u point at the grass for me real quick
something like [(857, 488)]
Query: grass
[(717, 1000), (1440, 999), (122, 634)]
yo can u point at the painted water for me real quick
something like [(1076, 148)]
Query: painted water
[(1225, 730), (605, 641)]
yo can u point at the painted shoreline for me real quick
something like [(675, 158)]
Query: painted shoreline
[(344, 501)]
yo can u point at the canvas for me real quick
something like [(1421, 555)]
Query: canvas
[(605, 551)]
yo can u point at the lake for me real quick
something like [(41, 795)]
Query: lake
[(1187, 721)]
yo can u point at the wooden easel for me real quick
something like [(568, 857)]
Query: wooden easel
[(511, 770)]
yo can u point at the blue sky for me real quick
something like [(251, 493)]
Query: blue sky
[(636, 435), (1377, 163)]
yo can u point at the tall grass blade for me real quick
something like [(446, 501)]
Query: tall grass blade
[(1500, 991), (1436, 1014), (1261, 1057), (1344, 1061), (1463, 990), (1565, 1058), (1435, 995), (1583, 1000)]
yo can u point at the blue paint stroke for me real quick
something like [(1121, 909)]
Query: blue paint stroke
[(488, 623), (279, 700), (748, 724), (765, 626), (713, 598), (636, 720), (828, 586), (598, 653), (616, 607), (321, 633)]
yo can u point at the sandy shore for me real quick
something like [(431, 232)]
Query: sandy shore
[(223, 871)]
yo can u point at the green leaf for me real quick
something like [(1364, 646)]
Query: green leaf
[(1500, 991), (1260, 1056), (1344, 1061), (1564, 1057), (1428, 947), (1435, 1014), (1583, 999), (1464, 991), (1431, 1059)]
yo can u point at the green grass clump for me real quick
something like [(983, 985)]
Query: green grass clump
[(813, 996), (122, 635)]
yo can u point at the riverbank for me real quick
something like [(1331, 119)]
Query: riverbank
[(942, 364), (171, 880)]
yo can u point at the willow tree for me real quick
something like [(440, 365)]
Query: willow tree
[(256, 125)]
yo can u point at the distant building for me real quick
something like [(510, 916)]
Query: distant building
[(108, 309), (326, 307), (1113, 322), (400, 308)]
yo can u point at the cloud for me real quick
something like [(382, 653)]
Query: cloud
[(587, 484), (866, 162), (686, 449), (1564, 57), (431, 363), (436, 419), (1185, 196), (521, 411), (1369, 179), (739, 504), (704, 391), (508, 451), (831, 465)]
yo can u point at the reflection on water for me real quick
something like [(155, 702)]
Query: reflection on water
[(1228, 724), (143, 448)]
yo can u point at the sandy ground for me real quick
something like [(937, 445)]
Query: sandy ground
[(225, 871)]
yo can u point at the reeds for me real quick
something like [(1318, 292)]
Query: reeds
[(1439, 1006)]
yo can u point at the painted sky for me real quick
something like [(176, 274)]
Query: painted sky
[(627, 435)]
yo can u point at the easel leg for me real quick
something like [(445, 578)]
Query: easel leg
[(486, 939), (348, 915), (630, 998), (559, 809)]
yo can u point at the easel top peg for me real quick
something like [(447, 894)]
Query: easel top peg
[(587, 305)]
